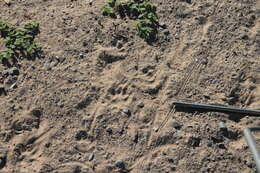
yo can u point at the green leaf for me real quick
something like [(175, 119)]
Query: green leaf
[(108, 10), (19, 41)]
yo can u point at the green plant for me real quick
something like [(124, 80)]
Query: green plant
[(142, 11), (108, 10), (146, 29), (19, 42)]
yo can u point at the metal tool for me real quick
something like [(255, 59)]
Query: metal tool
[(247, 132), (217, 108), (252, 145)]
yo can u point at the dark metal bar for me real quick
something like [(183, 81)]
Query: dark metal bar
[(253, 146), (217, 108)]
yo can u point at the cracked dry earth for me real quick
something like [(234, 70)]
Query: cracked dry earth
[(100, 101)]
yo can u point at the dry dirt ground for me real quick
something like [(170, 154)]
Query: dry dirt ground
[(101, 98)]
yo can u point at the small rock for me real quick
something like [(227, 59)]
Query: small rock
[(141, 105), (5, 72), (13, 71), (250, 164), (166, 32), (81, 55), (53, 63), (204, 61), (207, 169), (244, 37), (13, 86), (210, 144), (47, 145), (126, 111), (120, 164), (193, 153), (173, 168), (222, 125), (163, 25), (91, 157), (47, 66)]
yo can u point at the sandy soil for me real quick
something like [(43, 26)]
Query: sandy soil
[(101, 98)]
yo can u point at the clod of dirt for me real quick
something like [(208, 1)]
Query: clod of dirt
[(36, 112), (165, 138), (6, 135), (152, 91), (82, 134), (110, 55), (201, 20), (194, 141), (86, 101), (46, 168), (18, 150), (25, 122), (155, 88)]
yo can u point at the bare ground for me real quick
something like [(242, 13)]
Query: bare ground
[(99, 99)]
